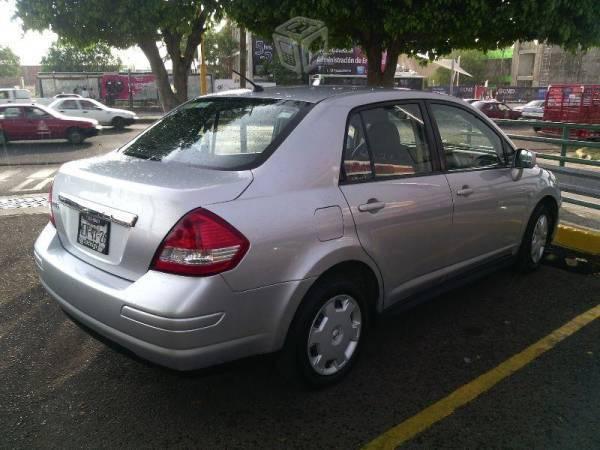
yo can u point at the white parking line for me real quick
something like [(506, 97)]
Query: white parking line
[(35, 181), (44, 173), (8, 174)]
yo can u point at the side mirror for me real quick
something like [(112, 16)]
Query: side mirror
[(524, 159)]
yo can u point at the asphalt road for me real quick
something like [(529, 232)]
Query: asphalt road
[(61, 388), (60, 151)]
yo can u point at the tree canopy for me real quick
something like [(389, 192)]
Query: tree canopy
[(10, 64), (387, 28), (178, 25), (65, 57), (221, 50)]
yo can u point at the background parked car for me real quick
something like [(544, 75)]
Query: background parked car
[(87, 107), (14, 96), (67, 95), (24, 122), (496, 109), (532, 110)]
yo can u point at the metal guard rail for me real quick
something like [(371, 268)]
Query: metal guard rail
[(564, 143)]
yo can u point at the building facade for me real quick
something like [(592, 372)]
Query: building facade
[(537, 64)]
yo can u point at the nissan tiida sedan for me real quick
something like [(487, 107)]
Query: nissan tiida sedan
[(287, 219)]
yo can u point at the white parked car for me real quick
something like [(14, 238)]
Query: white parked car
[(14, 96), (90, 108)]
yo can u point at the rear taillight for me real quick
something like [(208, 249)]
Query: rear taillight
[(200, 244), (51, 212)]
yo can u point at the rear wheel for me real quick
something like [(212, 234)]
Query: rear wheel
[(325, 337), (118, 123), (75, 136), (536, 239)]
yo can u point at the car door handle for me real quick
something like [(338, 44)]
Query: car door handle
[(371, 206), (465, 191)]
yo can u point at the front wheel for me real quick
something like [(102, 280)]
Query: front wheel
[(75, 136), (536, 239), (325, 337), (118, 123)]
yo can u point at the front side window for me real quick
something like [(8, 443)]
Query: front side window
[(87, 105), (467, 141), (220, 133), (69, 104), (36, 114), (4, 95), (22, 94)]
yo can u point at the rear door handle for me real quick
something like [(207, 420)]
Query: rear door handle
[(371, 206), (465, 191)]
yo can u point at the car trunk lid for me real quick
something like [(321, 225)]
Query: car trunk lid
[(135, 202)]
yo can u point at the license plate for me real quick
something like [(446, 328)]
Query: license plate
[(94, 233)]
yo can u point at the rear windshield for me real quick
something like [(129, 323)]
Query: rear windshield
[(220, 133)]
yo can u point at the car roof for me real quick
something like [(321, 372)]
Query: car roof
[(9, 105), (315, 94)]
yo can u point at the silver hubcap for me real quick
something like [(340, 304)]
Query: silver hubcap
[(539, 238), (334, 334)]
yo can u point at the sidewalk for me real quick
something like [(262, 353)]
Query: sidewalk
[(580, 215)]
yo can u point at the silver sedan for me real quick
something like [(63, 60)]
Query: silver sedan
[(287, 219)]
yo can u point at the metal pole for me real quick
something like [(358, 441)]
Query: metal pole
[(452, 78), (242, 57), (129, 88), (563, 147), (203, 87)]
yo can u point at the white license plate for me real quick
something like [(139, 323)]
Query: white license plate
[(94, 233)]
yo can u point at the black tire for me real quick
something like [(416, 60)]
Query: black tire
[(294, 360), (536, 129), (75, 136), (118, 123), (525, 261)]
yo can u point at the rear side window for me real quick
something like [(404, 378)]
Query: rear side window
[(11, 113), (396, 138), (385, 142), (220, 133)]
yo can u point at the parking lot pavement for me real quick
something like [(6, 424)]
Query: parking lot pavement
[(58, 152), (60, 387)]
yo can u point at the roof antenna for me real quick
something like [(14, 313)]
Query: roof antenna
[(257, 87)]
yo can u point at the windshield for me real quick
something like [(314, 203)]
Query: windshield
[(220, 133)]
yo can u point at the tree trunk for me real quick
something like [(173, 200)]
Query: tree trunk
[(375, 76), (180, 80), (167, 98), (242, 57)]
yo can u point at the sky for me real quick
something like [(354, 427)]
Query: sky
[(32, 46)]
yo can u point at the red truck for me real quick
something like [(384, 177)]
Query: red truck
[(573, 103), (24, 122)]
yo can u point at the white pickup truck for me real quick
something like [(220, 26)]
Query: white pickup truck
[(15, 96)]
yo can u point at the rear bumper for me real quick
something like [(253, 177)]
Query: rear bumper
[(179, 322)]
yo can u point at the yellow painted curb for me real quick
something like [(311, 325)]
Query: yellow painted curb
[(585, 240)]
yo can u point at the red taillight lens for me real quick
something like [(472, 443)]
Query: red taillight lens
[(51, 212), (200, 244)]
